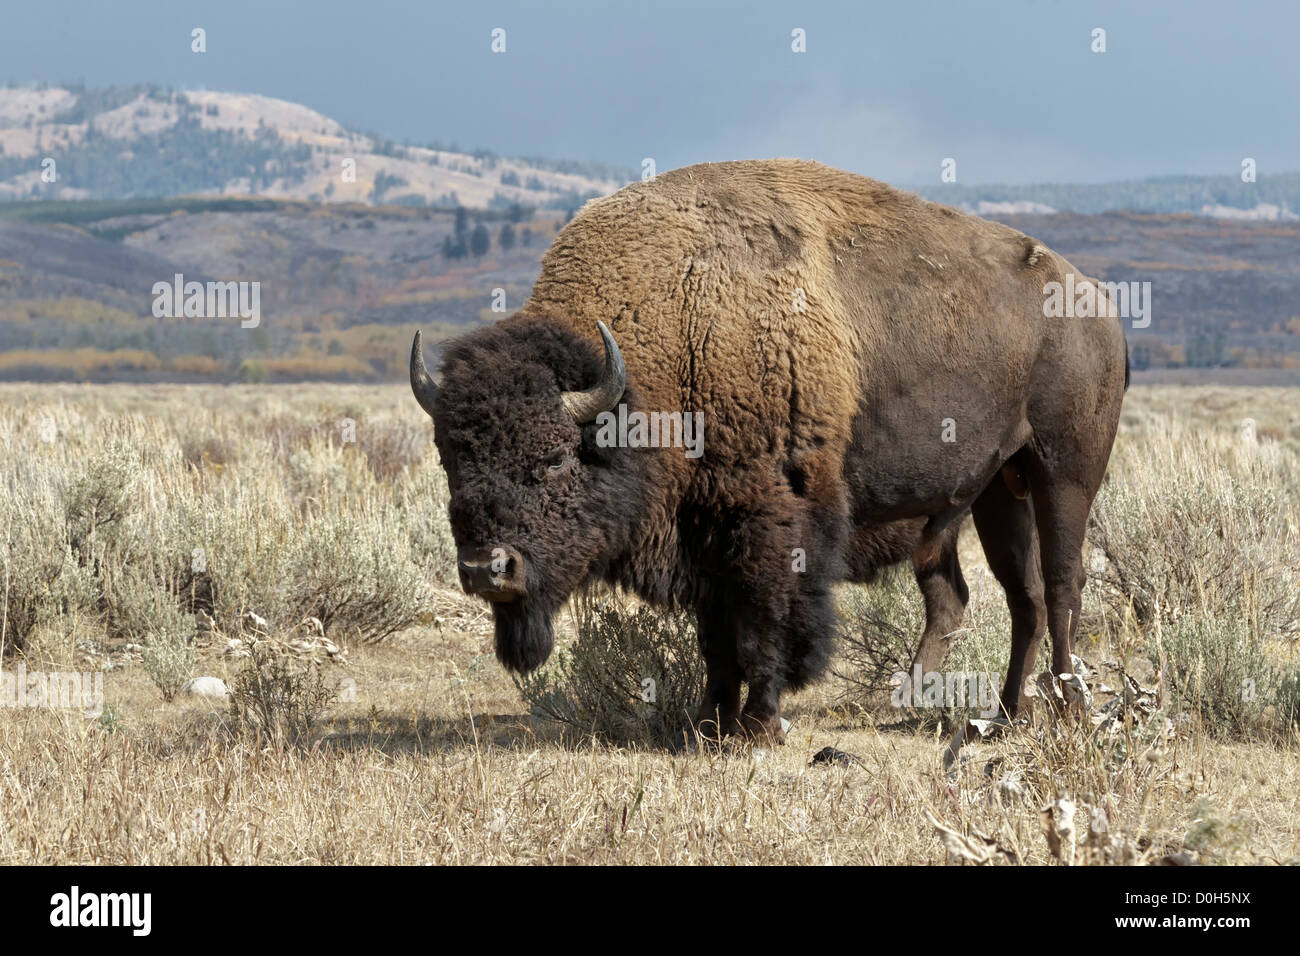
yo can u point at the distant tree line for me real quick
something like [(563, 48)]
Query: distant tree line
[(476, 240)]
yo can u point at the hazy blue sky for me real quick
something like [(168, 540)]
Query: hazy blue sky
[(1010, 89)]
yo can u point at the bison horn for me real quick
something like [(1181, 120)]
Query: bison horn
[(422, 384), (604, 395)]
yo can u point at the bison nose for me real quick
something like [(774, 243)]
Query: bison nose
[(493, 573)]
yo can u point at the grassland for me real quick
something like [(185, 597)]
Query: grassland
[(426, 752)]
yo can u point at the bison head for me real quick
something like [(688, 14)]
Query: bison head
[(536, 506)]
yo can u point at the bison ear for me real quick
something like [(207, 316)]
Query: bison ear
[(591, 452)]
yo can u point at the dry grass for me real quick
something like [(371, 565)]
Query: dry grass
[(428, 755)]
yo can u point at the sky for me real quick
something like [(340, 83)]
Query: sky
[(1010, 89)]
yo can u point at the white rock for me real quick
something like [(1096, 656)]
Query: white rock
[(210, 688)]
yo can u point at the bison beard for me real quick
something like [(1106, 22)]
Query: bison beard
[(524, 635)]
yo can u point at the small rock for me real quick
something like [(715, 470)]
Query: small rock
[(209, 688), (830, 755)]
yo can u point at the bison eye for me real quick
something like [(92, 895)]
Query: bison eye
[(556, 459)]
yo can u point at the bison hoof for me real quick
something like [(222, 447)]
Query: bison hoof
[(715, 730), (743, 729), (763, 731)]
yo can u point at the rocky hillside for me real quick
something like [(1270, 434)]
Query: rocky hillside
[(141, 141)]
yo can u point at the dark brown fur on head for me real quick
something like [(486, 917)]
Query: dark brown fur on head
[(522, 474)]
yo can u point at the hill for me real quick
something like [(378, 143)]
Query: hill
[(123, 142), (340, 285)]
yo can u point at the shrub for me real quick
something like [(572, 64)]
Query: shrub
[(247, 535), (356, 575), (168, 654), (1199, 523), (390, 447), (423, 506), (137, 606), (317, 473), (133, 517), (277, 698), (1198, 529), (203, 449), (880, 629), (37, 586), (97, 502), (880, 626), (631, 675), (1216, 840), (1287, 699), (41, 577), (1217, 668)]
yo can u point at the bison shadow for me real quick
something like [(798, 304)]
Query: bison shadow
[(395, 734)]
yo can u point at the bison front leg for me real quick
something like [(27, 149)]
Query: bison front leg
[(761, 718), (738, 646), (788, 644), (719, 712), (801, 645)]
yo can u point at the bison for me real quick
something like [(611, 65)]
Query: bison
[(866, 368)]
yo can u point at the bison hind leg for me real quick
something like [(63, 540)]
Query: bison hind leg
[(1007, 532), (938, 575)]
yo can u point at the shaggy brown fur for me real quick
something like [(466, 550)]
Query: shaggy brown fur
[(834, 331)]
